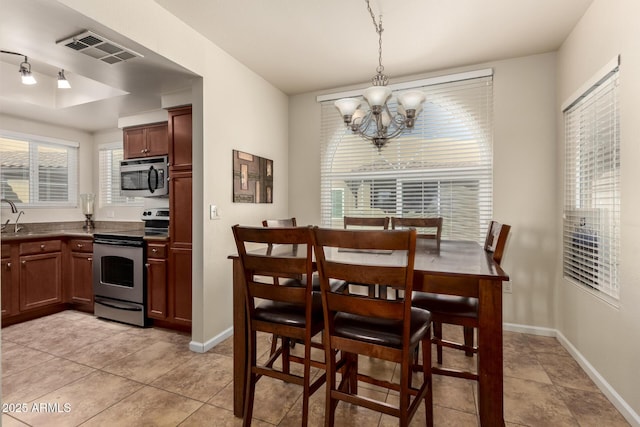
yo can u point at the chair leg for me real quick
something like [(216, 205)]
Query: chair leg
[(437, 332), (330, 404), (274, 344), (306, 389), (251, 380), (286, 352), (426, 376), (468, 341)]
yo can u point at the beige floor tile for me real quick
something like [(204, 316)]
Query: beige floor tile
[(209, 415), (8, 421), (41, 379), (81, 400), (148, 406), (163, 335), (592, 409), (564, 371), (541, 344), (454, 393), (535, 404), (520, 363), (108, 350), (200, 378), (16, 358), (150, 363), (225, 348)]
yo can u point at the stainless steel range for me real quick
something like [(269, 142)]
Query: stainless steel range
[(119, 279)]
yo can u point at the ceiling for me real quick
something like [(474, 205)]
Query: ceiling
[(302, 45), (297, 45)]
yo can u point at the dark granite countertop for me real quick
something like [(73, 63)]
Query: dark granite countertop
[(35, 231)]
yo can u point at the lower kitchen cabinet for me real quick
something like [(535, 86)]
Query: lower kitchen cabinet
[(6, 279), (157, 280), (180, 286), (80, 277), (40, 274)]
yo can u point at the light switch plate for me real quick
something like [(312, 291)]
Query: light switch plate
[(213, 212)]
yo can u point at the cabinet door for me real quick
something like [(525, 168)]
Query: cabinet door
[(157, 288), (81, 278), (180, 134), (6, 282), (180, 285), (180, 200), (157, 140), (40, 280), (134, 144)]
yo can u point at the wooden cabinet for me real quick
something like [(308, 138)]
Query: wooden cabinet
[(80, 272), (180, 135), (146, 141), (180, 225), (40, 274), (7, 269), (157, 291)]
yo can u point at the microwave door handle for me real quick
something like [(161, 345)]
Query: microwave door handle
[(152, 170)]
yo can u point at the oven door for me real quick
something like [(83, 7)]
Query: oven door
[(118, 271)]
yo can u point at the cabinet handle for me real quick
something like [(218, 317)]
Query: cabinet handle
[(80, 245), (43, 246), (147, 265), (89, 259), (142, 151), (24, 262), (8, 265), (154, 250)]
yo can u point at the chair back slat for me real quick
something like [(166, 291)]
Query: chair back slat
[(366, 222), (374, 307), (276, 266), (367, 274), (420, 224), (272, 292), (288, 222), (496, 240)]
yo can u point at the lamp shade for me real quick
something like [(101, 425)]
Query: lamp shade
[(27, 77), (63, 83), (347, 106), (358, 115), (411, 100), (377, 95)]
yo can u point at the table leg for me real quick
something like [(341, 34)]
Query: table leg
[(239, 339), (490, 382)]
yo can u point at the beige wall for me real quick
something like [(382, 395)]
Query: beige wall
[(85, 160), (607, 336), (524, 181), (233, 108)]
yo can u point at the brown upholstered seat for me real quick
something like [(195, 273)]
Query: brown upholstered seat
[(361, 325), (458, 310), (290, 312)]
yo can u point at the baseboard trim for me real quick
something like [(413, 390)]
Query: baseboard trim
[(621, 405), (199, 347)]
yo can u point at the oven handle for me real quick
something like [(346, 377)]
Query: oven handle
[(116, 305)]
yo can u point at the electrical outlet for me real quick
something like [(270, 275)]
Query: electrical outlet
[(506, 287)]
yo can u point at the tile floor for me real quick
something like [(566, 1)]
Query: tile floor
[(101, 373)]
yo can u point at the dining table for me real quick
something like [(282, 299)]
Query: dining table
[(457, 268)]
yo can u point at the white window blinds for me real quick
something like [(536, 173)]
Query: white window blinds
[(110, 156), (591, 234), (443, 167), (35, 171)]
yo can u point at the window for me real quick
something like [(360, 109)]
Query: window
[(38, 171), (591, 234), (443, 167), (110, 156)]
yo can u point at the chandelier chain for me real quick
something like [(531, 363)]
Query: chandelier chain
[(379, 79)]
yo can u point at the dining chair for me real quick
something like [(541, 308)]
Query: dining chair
[(291, 312), (368, 223), (459, 310), (356, 325), (421, 224), (287, 222)]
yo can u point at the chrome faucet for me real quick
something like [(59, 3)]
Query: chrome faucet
[(17, 227), (14, 209)]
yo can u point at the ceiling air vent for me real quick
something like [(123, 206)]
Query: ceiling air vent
[(99, 47)]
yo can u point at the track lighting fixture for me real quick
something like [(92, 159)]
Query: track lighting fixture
[(25, 73), (63, 83)]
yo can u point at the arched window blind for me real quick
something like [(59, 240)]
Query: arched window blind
[(591, 232), (443, 167)]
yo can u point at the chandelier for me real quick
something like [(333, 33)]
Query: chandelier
[(378, 124)]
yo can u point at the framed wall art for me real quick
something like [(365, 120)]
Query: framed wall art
[(252, 178)]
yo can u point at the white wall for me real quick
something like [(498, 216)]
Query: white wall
[(222, 122), (524, 182), (607, 336), (85, 160)]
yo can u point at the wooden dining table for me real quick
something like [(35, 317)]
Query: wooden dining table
[(457, 268)]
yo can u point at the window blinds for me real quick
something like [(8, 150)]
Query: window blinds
[(109, 158), (35, 172), (443, 167), (591, 235)]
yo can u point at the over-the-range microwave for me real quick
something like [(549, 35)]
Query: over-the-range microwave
[(144, 177)]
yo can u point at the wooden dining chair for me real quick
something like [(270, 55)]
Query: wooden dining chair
[(290, 312), (359, 325), (421, 224), (459, 310), (287, 222), (369, 223)]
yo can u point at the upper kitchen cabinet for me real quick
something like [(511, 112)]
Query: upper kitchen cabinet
[(146, 141), (180, 138)]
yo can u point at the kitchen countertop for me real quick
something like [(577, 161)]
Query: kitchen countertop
[(72, 230)]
